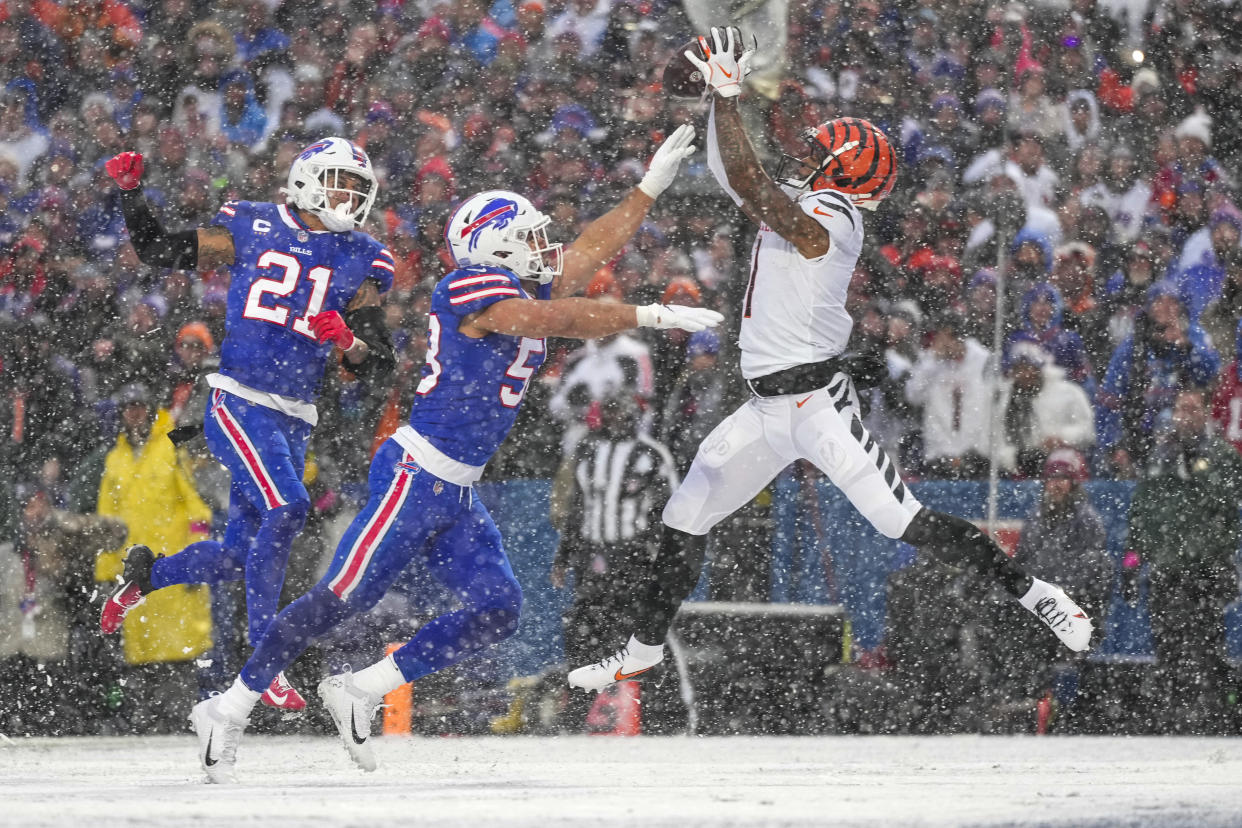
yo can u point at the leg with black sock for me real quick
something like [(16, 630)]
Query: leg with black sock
[(960, 543), (674, 574)]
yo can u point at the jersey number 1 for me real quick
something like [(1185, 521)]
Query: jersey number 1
[(279, 314)]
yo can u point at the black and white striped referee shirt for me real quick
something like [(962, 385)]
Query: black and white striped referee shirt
[(620, 487)]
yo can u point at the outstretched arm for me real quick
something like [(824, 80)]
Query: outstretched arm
[(600, 241), (580, 318), (203, 248), (728, 146), (603, 238)]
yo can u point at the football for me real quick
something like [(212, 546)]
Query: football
[(681, 78)]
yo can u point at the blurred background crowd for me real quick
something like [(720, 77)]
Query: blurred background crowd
[(1079, 158)]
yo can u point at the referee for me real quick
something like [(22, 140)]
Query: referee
[(621, 479)]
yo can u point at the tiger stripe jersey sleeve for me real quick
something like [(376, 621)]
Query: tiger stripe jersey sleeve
[(835, 213), (714, 161)]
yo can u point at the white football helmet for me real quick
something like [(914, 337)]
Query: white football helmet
[(503, 229), (314, 176)]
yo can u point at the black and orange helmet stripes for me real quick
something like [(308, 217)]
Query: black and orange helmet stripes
[(849, 155)]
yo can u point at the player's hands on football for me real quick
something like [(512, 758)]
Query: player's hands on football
[(125, 169), (722, 71), (330, 327), (677, 316), (664, 164)]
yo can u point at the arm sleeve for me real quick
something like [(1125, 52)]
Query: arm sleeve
[(834, 213), (714, 162), (233, 216), (368, 324), (154, 245), (383, 268)]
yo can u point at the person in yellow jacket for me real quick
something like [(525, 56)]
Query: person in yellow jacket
[(145, 485)]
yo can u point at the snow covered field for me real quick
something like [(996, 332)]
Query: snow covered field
[(516, 782)]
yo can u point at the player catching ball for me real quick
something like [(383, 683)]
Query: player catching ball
[(804, 405)]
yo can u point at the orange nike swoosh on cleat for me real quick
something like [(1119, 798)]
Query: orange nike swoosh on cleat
[(803, 402), (820, 212), (620, 676)]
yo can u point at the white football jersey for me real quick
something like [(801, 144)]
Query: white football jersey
[(794, 310)]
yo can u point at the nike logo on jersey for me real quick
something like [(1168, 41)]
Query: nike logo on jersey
[(620, 676), (353, 728), (207, 760), (803, 402)]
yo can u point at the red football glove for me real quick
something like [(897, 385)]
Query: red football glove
[(331, 327), (125, 169)]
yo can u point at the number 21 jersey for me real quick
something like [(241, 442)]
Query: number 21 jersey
[(283, 273), (472, 388)]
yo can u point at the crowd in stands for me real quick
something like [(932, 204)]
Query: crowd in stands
[(1081, 160)]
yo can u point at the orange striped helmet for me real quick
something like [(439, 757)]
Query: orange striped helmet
[(849, 155)]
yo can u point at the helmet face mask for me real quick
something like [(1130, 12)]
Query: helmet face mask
[(802, 173), (332, 180), (503, 229), (847, 155)]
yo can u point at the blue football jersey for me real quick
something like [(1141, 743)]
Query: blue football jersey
[(471, 388), (282, 274)]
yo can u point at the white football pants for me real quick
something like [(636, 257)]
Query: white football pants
[(742, 455)]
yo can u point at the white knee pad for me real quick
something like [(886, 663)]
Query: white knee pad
[(685, 509)]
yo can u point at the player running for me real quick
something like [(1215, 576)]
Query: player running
[(794, 327), (305, 278), (488, 321)]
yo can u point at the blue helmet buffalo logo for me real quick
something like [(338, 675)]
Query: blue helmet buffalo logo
[(314, 149), (496, 213)]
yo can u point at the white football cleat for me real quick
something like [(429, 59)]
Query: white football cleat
[(218, 738), (1059, 613), (631, 661), (352, 710)]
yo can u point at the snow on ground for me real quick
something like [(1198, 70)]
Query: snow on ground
[(512, 782)]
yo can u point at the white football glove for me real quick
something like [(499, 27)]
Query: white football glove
[(663, 167), (677, 316), (721, 71)]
